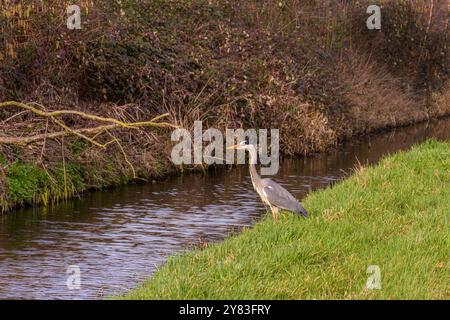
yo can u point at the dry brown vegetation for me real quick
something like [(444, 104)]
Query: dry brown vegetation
[(310, 68)]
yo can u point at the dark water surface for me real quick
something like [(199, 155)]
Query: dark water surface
[(119, 237)]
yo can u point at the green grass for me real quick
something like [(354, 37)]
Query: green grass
[(27, 183), (24, 182), (2, 159), (393, 215)]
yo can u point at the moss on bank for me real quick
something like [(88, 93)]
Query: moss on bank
[(393, 215), (30, 184), (26, 183)]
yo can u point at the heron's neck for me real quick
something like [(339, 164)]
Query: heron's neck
[(253, 159)]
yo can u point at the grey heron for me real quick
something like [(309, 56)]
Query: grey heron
[(271, 193)]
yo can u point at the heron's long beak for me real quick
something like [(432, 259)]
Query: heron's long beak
[(235, 146)]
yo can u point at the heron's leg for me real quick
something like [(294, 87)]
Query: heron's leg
[(275, 213)]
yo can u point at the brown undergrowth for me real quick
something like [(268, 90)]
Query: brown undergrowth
[(310, 68)]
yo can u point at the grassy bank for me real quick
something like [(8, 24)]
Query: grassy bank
[(393, 215), (309, 68), (26, 183)]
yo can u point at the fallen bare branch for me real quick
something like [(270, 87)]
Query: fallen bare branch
[(83, 132)]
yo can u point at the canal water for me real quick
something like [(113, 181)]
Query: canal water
[(119, 237)]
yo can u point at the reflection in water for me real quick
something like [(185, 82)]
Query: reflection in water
[(119, 237)]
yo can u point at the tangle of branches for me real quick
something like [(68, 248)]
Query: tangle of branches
[(89, 134)]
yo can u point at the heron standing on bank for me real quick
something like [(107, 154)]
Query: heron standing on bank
[(271, 193)]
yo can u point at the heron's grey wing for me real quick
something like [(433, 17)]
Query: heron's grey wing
[(281, 198)]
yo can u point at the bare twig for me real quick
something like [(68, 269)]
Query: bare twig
[(83, 132), (45, 141), (123, 152), (64, 167)]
